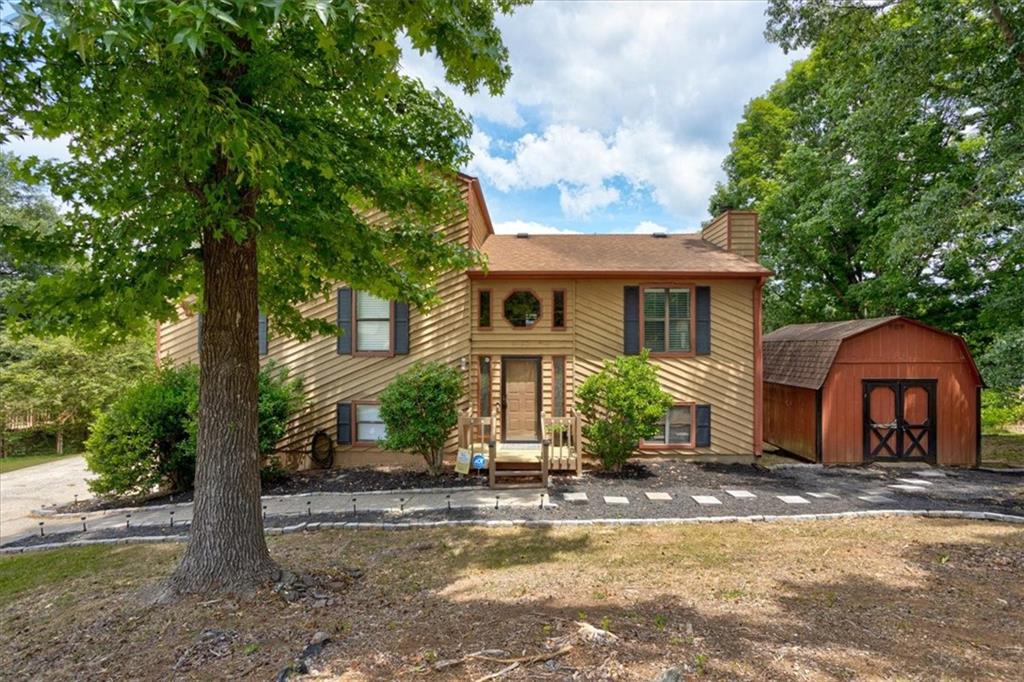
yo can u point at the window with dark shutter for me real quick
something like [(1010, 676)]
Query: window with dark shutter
[(631, 321), (703, 312), (262, 339), (668, 320), (484, 305), (558, 310), (558, 386), (675, 429), (344, 321), (401, 328), (373, 323), (703, 426), (344, 423)]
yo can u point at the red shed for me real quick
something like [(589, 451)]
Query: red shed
[(887, 389)]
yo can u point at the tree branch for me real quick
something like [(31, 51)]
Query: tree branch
[(1004, 27)]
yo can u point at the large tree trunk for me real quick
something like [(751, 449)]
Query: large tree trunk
[(227, 550)]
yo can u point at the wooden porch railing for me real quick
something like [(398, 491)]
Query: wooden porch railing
[(565, 435)]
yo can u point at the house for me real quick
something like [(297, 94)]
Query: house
[(548, 310), (885, 389)]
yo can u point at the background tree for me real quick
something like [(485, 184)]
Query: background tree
[(232, 150), (419, 408), (888, 166), (621, 405)]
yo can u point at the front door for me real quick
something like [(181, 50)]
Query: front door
[(520, 400), (899, 419)]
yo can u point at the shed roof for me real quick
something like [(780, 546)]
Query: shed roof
[(802, 354), (604, 254)]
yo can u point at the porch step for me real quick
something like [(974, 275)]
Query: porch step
[(502, 473), (535, 485)]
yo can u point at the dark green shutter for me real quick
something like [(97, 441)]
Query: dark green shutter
[(344, 321), (263, 334), (703, 426), (401, 328), (199, 333), (631, 321), (344, 423), (703, 320)]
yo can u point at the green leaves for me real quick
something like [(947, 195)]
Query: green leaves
[(284, 119), (887, 166)]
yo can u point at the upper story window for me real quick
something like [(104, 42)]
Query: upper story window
[(373, 323), (668, 320), (558, 309), (484, 301), (522, 309)]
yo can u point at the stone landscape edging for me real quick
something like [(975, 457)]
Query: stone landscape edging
[(541, 523), (50, 513)]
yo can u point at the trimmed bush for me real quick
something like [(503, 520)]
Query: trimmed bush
[(146, 440), (419, 409), (621, 405)]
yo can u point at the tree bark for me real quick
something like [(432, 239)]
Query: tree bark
[(1007, 31), (227, 550)]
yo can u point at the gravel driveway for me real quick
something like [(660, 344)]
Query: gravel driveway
[(30, 488)]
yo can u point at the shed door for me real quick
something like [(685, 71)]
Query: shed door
[(521, 399), (899, 419)]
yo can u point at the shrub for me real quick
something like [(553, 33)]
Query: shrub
[(147, 438), (622, 404), (419, 409), (1000, 410)]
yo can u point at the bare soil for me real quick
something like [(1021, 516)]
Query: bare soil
[(880, 598)]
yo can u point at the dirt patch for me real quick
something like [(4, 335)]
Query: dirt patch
[(907, 598)]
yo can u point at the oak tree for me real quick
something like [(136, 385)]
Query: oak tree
[(235, 151)]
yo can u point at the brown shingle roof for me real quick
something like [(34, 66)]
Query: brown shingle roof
[(591, 254), (802, 354)]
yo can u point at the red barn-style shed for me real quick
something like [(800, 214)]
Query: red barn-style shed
[(885, 389)]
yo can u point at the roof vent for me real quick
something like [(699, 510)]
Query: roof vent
[(659, 235), (522, 235)]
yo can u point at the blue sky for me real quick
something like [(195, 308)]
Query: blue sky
[(617, 117)]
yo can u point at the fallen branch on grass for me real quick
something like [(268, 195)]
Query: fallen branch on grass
[(513, 663)]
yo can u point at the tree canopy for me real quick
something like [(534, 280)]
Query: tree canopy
[(888, 166)]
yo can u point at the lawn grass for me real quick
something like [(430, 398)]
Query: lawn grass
[(1003, 449), (870, 598), (8, 464)]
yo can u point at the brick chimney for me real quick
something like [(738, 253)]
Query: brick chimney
[(734, 231)]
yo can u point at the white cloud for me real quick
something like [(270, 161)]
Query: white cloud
[(608, 99), (529, 227), (649, 227)]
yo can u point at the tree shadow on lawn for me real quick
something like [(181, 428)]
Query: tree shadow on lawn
[(948, 608)]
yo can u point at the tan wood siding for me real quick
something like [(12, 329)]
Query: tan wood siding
[(441, 334), (743, 233), (724, 379), (717, 231)]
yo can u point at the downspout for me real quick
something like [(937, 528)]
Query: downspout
[(758, 374)]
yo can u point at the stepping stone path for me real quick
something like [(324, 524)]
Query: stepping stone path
[(705, 499), (824, 496), (876, 499), (906, 487), (931, 473), (659, 497), (793, 499), (742, 494), (612, 499), (575, 497), (914, 481)]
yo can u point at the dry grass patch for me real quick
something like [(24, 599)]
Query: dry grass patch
[(906, 598)]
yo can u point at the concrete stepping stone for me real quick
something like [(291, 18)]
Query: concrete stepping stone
[(793, 499), (876, 499), (575, 497), (906, 487), (614, 499), (824, 496), (931, 473), (706, 499), (914, 481), (742, 494), (658, 497)]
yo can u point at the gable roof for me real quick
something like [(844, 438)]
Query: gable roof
[(802, 354), (612, 254)]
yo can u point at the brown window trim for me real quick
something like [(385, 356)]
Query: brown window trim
[(355, 422), (540, 311), (693, 320), (554, 378), (645, 445), (490, 293), (565, 310), (390, 353)]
